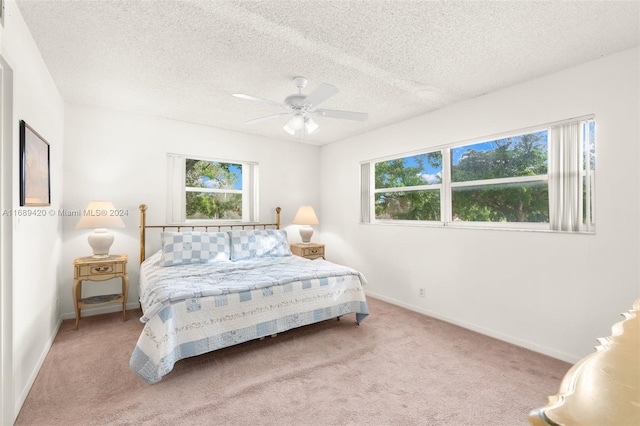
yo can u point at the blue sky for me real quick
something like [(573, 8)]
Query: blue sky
[(431, 174), (212, 183), (456, 153)]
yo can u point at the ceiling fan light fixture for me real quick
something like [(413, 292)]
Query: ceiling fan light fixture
[(296, 122), (310, 125)]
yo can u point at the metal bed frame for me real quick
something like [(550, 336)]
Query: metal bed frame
[(229, 226)]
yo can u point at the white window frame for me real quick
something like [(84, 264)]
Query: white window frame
[(446, 213), (176, 190), (589, 176)]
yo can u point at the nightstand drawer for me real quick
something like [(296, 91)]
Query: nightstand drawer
[(111, 268), (308, 251), (313, 251)]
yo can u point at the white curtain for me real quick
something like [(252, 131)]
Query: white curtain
[(365, 193), (564, 177), (250, 189), (176, 195)]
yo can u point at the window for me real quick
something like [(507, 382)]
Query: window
[(409, 188), (214, 190), (209, 189), (503, 180), (542, 178)]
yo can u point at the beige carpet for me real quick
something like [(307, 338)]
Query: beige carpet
[(397, 368)]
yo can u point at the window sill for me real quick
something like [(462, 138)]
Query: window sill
[(479, 226)]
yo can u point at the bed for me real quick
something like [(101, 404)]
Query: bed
[(210, 287)]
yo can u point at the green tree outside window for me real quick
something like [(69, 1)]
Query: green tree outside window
[(214, 190)]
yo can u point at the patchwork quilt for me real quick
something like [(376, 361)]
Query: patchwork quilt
[(197, 308)]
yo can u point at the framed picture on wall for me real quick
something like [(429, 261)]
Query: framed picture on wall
[(35, 177)]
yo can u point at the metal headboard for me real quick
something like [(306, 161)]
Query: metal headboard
[(144, 227)]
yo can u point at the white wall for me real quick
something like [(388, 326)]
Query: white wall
[(554, 293), (36, 240), (121, 157), (472, 277)]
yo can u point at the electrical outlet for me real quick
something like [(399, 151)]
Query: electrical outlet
[(422, 292)]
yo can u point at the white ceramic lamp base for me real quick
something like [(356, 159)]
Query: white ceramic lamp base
[(305, 233), (100, 241)]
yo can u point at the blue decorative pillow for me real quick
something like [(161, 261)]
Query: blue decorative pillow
[(259, 243), (180, 248)]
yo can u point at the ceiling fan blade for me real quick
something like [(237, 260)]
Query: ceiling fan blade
[(344, 115), (255, 99), (267, 118), (321, 94)]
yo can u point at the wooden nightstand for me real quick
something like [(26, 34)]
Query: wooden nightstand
[(308, 251), (95, 269)]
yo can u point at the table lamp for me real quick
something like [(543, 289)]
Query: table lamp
[(100, 216), (306, 217)]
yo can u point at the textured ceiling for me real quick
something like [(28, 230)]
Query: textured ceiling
[(393, 59)]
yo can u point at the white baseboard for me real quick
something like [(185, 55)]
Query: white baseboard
[(487, 332), (32, 378), (87, 312)]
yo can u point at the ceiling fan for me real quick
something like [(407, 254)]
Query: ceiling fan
[(302, 107)]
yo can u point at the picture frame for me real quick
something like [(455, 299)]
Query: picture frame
[(35, 174)]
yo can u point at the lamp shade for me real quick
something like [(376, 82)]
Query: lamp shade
[(289, 130), (100, 214), (296, 122), (310, 125), (305, 216)]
